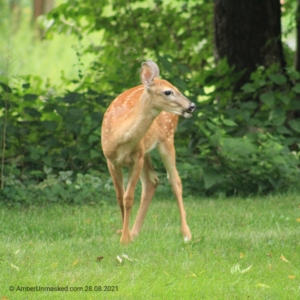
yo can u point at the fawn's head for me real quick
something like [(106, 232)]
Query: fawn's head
[(164, 96)]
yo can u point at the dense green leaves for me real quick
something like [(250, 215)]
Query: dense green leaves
[(237, 142)]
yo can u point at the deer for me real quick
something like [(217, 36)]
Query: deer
[(139, 120)]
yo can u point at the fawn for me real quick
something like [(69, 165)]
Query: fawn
[(141, 119)]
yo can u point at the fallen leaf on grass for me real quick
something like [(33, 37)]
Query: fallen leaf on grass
[(15, 267), (236, 269), (292, 277), (99, 258), (298, 219), (242, 255), (263, 285), (283, 258), (123, 256), (4, 298), (119, 259), (192, 275), (126, 257), (75, 263)]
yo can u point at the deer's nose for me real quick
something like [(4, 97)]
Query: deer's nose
[(192, 107)]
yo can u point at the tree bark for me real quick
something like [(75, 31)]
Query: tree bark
[(248, 34), (37, 9), (297, 55), (41, 7)]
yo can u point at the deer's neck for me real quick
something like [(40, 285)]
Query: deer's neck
[(143, 115), (138, 121)]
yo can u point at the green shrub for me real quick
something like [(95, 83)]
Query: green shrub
[(247, 142), (63, 188), (237, 142)]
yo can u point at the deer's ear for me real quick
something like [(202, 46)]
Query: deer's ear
[(148, 72)]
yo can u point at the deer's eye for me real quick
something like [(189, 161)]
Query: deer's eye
[(168, 93)]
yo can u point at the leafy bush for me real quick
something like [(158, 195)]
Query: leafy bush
[(238, 142), (64, 187), (45, 129), (247, 142)]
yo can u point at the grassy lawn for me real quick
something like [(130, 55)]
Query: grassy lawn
[(241, 249)]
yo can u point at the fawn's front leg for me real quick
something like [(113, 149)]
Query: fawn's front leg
[(167, 153), (128, 199)]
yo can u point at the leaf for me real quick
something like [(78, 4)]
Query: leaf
[(47, 170), (246, 270), (283, 258), (229, 122), (295, 125), (119, 259), (268, 98), (285, 99), (94, 138), (167, 66), (32, 112), (248, 88), (75, 263), (248, 105), (263, 285), (238, 147), (294, 74), (95, 153), (242, 255), (278, 78), (292, 276), (296, 88), (30, 97), (26, 85), (74, 115), (192, 275), (283, 130), (236, 269), (209, 80), (277, 116), (126, 257), (15, 267), (298, 219), (211, 126), (211, 177), (72, 98), (5, 87), (50, 125)]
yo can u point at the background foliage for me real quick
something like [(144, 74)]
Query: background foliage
[(239, 143)]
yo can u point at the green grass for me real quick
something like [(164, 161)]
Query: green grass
[(58, 245)]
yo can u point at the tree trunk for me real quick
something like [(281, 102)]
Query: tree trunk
[(297, 55), (41, 7), (248, 34)]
